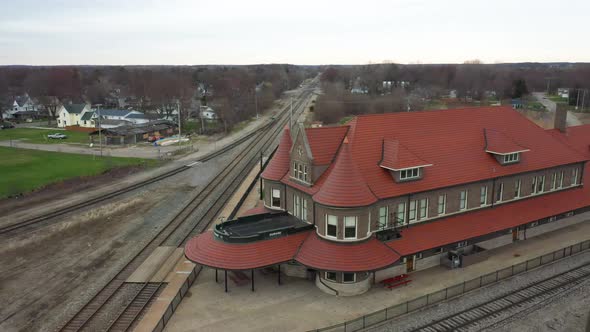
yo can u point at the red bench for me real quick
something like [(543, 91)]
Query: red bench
[(397, 284), (394, 279)]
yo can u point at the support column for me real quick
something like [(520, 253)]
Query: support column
[(252, 273), (279, 274), (216, 277), (225, 271)]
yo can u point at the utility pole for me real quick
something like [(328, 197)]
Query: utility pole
[(578, 99), (179, 132), (256, 99), (291, 114), (99, 131), (584, 98)]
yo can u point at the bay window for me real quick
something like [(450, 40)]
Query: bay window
[(276, 198), (350, 227)]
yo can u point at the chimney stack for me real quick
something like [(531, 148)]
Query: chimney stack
[(560, 117)]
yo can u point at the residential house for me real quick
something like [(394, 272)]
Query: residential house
[(563, 92), (207, 113), (71, 115), (389, 194), (22, 107)]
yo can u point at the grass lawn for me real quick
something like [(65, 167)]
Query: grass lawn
[(557, 99), (25, 170), (32, 135)]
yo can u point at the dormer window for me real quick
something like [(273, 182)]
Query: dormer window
[(511, 158), (300, 171), (409, 174)]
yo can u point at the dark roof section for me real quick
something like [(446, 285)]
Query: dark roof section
[(87, 116), (259, 227), (136, 116), (143, 128), (113, 112), (75, 108)]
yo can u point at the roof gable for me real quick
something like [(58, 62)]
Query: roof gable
[(498, 142), (300, 135), (75, 108), (396, 157), (278, 166), (324, 142)]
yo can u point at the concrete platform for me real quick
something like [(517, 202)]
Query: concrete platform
[(297, 305), (155, 267)]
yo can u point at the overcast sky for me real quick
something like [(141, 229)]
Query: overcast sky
[(55, 32)]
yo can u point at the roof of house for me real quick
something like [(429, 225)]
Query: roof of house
[(498, 142), (75, 108), (324, 142), (87, 116), (278, 166), (113, 112), (396, 157), (577, 138), (136, 116), (344, 186), (451, 140)]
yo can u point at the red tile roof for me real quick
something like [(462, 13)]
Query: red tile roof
[(452, 141), (347, 257), (499, 143), (576, 137), (485, 221), (278, 166), (344, 186), (324, 142), (396, 156), (256, 210), (206, 250)]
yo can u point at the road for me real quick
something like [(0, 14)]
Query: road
[(572, 120)]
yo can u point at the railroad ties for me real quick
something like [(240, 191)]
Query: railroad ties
[(533, 293)]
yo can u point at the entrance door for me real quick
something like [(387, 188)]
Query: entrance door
[(514, 234), (410, 264)]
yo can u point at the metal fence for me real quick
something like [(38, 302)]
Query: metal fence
[(452, 291)]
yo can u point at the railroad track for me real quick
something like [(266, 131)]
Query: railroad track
[(33, 222), (199, 212), (512, 303)]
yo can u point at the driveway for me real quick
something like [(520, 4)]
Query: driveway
[(572, 119)]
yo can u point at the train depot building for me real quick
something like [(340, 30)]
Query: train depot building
[(388, 194)]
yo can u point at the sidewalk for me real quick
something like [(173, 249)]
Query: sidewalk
[(298, 305)]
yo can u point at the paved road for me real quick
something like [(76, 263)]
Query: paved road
[(572, 119)]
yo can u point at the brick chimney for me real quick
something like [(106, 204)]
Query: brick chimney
[(560, 121)]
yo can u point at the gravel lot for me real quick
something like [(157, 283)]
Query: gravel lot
[(423, 317), (47, 275)]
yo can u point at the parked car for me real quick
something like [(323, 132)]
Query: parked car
[(6, 125), (57, 136)]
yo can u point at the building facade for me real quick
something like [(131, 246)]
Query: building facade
[(394, 193)]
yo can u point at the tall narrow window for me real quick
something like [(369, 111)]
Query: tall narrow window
[(383, 213), (540, 184), (304, 211), (295, 169), (331, 225), (276, 198), (350, 227), (534, 185), (561, 179), (442, 204), (300, 175), (463, 200), (574, 176), (517, 188), (483, 196), (500, 192), (412, 216), (400, 219), (553, 180), (296, 206), (304, 173), (423, 208)]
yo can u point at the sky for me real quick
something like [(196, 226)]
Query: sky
[(183, 32)]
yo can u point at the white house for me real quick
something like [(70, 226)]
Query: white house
[(71, 115), (207, 113), (563, 92), (21, 106), (116, 117)]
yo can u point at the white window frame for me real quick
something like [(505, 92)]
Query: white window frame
[(483, 196), (511, 158), (273, 196), (541, 182), (329, 222), (517, 188), (297, 206), (400, 210), (304, 173), (410, 173), (553, 180), (353, 278), (442, 205), (534, 186), (574, 177), (500, 196), (463, 200), (413, 210), (330, 279), (304, 209), (353, 219), (462, 244), (383, 216), (561, 175), (423, 208)]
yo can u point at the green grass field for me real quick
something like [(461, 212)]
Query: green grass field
[(31, 135), (557, 99), (26, 170)]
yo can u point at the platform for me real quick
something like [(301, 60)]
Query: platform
[(280, 308)]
